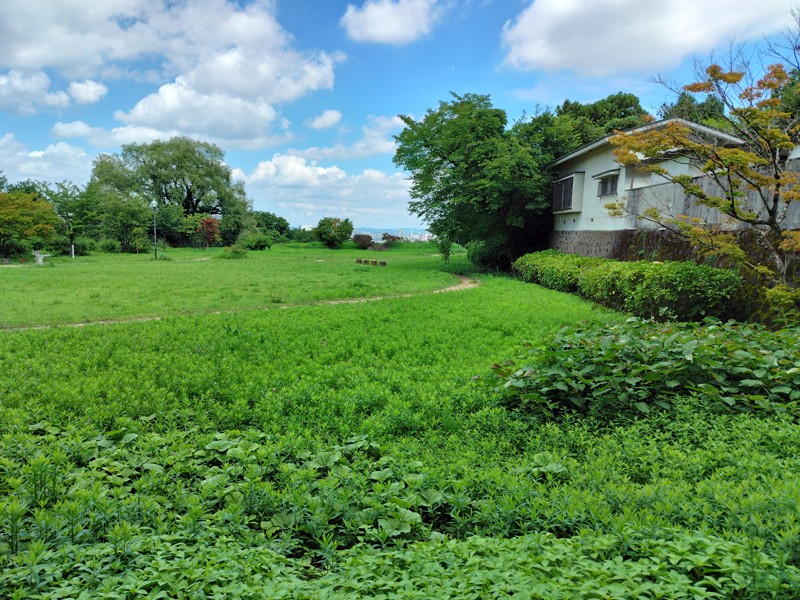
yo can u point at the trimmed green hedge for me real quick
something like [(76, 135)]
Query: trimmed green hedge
[(661, 290)]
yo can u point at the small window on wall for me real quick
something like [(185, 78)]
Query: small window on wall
[(607, 186), (562, 195)]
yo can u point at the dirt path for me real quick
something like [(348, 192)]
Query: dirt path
[(464, 283)]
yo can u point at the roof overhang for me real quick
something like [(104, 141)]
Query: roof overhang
[(724, 138)]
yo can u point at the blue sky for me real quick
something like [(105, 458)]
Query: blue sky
[(303, 95)]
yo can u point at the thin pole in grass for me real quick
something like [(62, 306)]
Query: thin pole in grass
[(154, 206)]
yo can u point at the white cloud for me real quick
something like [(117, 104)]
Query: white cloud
[(25, 93), (391, 21), (303, 192), (180, 106), (110, 138), (329, 118), (295, 171), (87, 91), (376, 140), (603, 37), (222, 66), (56, 162)]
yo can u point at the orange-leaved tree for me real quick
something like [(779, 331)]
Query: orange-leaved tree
[(752, 179), (24, 217)]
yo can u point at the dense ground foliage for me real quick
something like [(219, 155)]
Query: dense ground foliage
[(638, 365), (356, 450)]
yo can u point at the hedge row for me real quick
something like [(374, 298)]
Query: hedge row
[(661, 290)]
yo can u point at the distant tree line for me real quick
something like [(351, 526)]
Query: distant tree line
[(187, 179)]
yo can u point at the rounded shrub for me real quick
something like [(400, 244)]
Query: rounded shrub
[(362, 241), (255, 241), (108, 245), (233, 252)]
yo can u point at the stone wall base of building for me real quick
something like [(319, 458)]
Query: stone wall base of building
[(649, 244)]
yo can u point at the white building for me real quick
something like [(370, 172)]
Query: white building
[(590, 177)]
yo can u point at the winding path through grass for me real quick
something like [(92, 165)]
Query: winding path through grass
[(464, 283)]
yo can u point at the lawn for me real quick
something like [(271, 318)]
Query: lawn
[(357, 449), (128, 286)]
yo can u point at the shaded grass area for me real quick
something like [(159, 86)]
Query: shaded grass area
[(359, 450), (106, 287)]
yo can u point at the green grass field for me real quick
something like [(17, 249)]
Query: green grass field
[(245, 447), (128, 286)]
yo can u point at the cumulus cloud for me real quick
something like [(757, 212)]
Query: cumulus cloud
[(56, 162), (304, 192), (178, 105), (87, 91), (110, 138), (225, 64), (329, 118), (603, 37), (391, 21), (376, 139), (25, 93)]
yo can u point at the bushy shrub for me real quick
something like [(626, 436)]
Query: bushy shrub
[(670, 290), (255, 241), (333, 232), (362, 241), (390, 240), (17, 248), (555, 270), (108, 245), (632, 367), (233, 252), (83, 246), (778, 306)]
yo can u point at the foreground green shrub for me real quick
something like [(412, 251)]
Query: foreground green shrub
[(632, 367), (678, 290)]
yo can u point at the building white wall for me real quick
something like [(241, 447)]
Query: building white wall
[(588, 212)]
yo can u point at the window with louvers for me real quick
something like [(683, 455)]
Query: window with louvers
[(562, 195), (608, 186)]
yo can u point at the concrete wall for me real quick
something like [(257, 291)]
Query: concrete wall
[(671, 200)]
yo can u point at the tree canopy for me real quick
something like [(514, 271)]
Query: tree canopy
[(333, 232), (180, 171), (595, 120), (477, 182)]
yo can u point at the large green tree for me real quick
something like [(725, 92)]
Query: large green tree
[(267, 222), (477, 182), (709, 111), (181, 170), (65, 198)]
